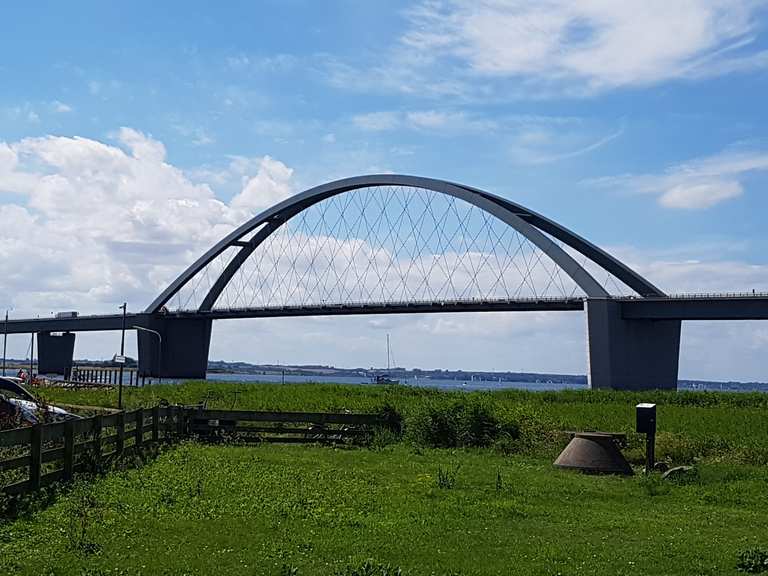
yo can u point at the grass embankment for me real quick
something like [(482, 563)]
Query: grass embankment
[(719, 426), (278, 510)]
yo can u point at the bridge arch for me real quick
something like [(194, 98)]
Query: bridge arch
[(539, 230)]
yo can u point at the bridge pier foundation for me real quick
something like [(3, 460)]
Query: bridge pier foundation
[(181, 351), (55, 352), (630, 354)]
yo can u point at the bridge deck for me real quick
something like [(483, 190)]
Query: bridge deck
[(678, 307), (698, 307)]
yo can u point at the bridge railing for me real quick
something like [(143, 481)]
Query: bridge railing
[(398, 304), (701, 296)]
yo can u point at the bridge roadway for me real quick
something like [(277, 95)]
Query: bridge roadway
[(677, 307)]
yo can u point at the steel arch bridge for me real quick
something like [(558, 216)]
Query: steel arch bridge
[(386, 244), (391, 243), (346, 240)]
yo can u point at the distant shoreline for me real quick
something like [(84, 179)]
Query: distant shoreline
[(309, 370)]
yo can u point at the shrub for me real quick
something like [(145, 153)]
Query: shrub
[(477, 425), (392, 419), (462, 423)]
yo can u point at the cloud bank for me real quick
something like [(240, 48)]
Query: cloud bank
[(91, 223), (698, 184), (515, 48)]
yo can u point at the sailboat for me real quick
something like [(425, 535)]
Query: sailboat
[(384, 378)]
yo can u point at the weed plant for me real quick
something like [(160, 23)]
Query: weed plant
[(753, 561)]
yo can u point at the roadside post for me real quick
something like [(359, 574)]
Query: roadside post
[(646, 424), (121, 360)]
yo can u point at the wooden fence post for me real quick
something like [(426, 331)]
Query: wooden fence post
[(180, 424), (35, 456), (155, 423), (97, 425), (139, 426), (173, 421), (120, 442), (69, 449)]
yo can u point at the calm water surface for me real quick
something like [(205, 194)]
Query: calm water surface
[(468, 385)]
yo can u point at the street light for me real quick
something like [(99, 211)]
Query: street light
[(124, 307), (159, 349), (5, 338)]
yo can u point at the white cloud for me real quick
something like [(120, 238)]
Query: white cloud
[(196, 135), (377, 121), (517, 48), (99, 223), (529, 139), (25, 112), (271, 185), (693, 269), (260, 64), (543, 144), (60, 107), (602, 43), (697, 196), (426, 120), (695, 185)]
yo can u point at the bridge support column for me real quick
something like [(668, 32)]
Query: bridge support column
[(630, 354), (182, 350), (54, 353)]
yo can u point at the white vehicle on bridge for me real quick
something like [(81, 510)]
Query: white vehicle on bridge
[(68, 314)]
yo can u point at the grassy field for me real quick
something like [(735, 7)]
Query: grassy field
[(717, 426), (353, 511), (201, 510)]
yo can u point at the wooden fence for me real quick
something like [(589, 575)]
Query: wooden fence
[(295, 427), (54, 452), (37, 456)]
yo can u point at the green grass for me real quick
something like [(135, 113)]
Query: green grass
[(716, 426), (201, 510), (310, 510)]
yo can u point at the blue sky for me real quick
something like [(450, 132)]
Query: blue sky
[(639, 125)]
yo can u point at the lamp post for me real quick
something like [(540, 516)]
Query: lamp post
[(124, 307), (5, 339), (159, 349), (31, 358)]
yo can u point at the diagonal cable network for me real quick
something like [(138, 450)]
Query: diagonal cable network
[(387, 244)]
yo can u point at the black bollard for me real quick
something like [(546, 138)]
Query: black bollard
[(646, 424)]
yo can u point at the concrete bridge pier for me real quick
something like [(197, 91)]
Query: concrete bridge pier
[(181, 351), (630, 354), (55, 352)]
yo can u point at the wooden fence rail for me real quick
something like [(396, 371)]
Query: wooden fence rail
[(292, 427), (54, 452)]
